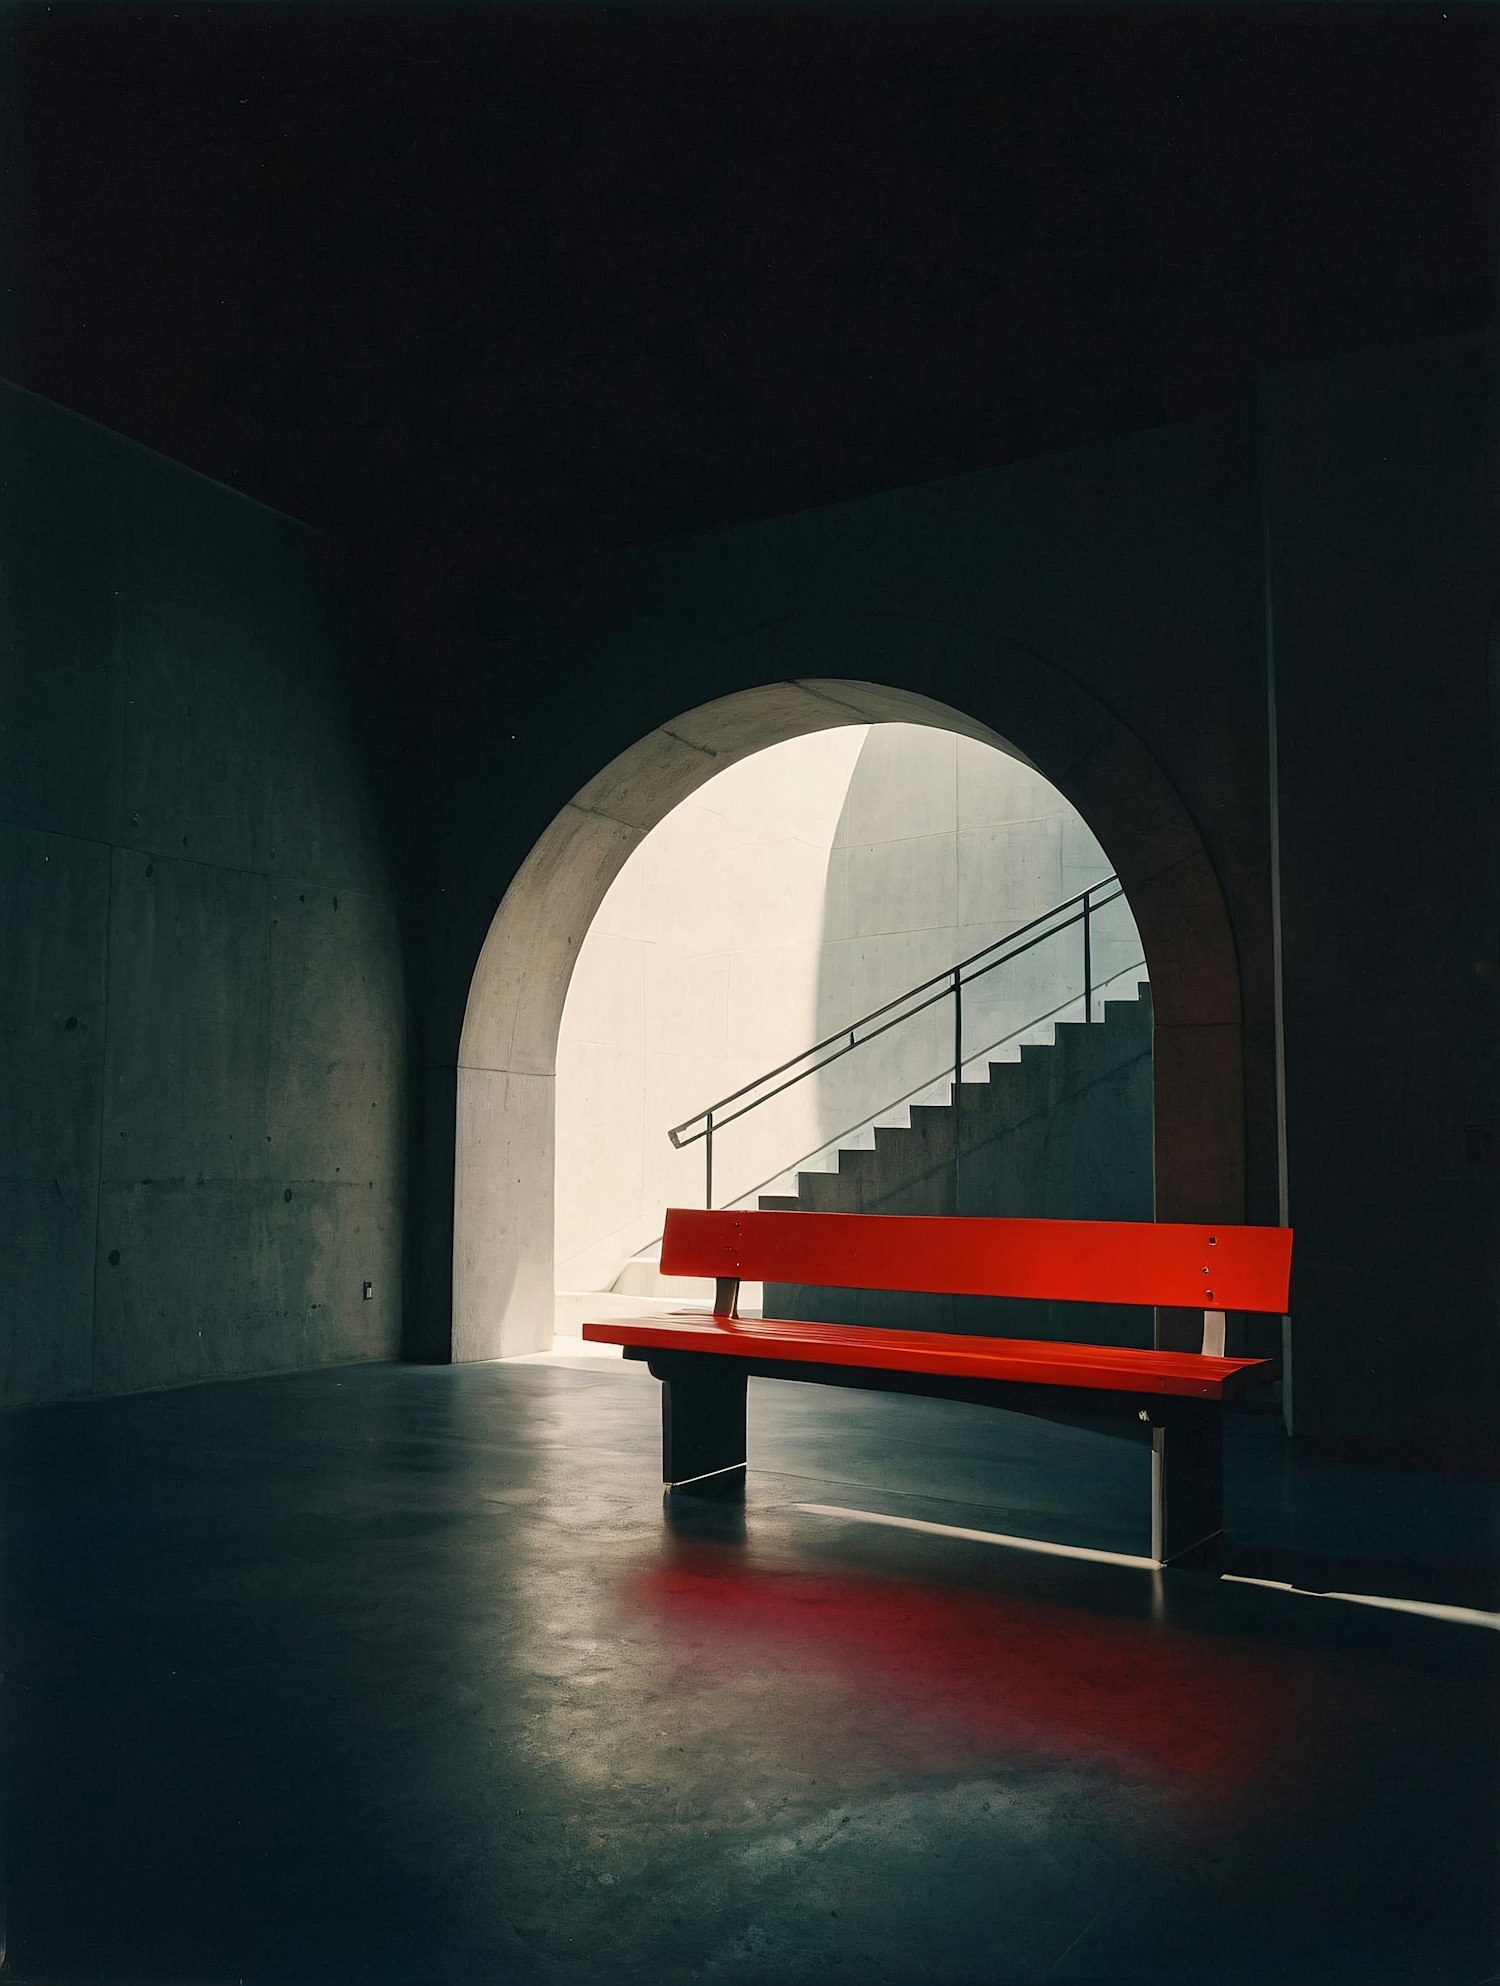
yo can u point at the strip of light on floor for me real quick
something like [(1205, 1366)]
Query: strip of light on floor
[(979, 1537), (1429, 1609), (1433, 1610)]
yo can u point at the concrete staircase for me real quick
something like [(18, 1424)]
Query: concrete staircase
[(1062, 1132)]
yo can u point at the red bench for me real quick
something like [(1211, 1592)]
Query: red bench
[(704, 1358)]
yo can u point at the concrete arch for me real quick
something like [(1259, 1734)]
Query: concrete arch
[(503, 1169)]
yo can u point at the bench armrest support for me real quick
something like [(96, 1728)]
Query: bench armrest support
[(726, 1296)]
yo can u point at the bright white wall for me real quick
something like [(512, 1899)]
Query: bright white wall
[(943, 846), (699, 971), (790, 895)]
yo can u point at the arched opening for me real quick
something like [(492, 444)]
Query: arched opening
[(503, 1278), (781, 949)]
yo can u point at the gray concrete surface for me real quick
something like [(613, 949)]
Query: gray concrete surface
[(202, 1141), (407, 1675), (1384, 556)]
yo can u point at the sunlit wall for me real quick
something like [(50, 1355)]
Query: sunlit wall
[(790, 895)]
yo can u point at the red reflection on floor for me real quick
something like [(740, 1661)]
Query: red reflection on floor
[(1142, 1699)]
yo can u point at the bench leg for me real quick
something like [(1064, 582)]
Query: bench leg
[(702, 1424), (1187, 1485)]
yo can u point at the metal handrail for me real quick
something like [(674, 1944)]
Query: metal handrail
[(897, 1102), (949, 984)]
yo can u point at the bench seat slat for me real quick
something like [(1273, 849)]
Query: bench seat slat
[(1108, 1368)]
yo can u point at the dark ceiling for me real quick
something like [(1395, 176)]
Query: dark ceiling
[(574, 276)]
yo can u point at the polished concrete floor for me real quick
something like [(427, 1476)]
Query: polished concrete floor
[(395, 1674)]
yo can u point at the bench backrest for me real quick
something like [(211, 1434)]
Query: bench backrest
[(1171, 1264)]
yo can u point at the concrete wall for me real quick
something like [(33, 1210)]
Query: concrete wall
[(488, 1117), (944, 846), (699, 971), (1384, 574), (790, 895), (1106, 611), (201, 1139)]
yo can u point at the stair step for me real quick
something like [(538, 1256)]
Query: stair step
[(642, 1277), (924, 1116), (825, 1192), (902, 1161)]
